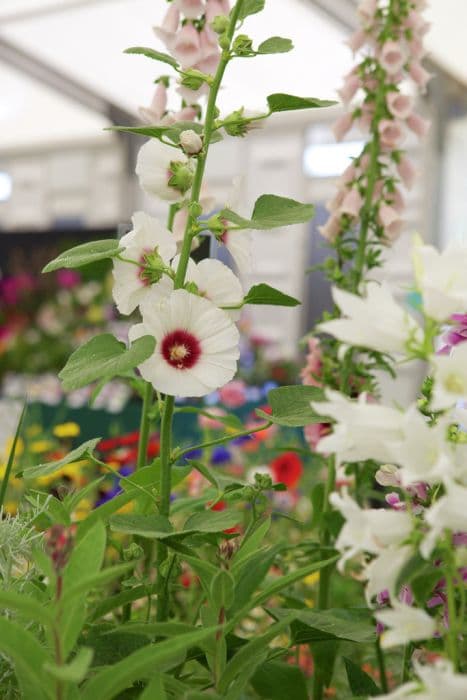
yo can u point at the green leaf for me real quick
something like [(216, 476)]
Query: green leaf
[(28, 658), (117, 601), (90, 582), (171, 132), (360, 683), (212, 521), (109, 682), (253, 540), (208, 473), (272, 211), (82, 452), (104, 356), (251, 572), (11, 457), (84, 254), (276, 680), (351, 624), (291, 405), (264, 294), (317, 504), (155, 55), (250, 7), (27, 606), (222, 589), (76, 670), (152, 526), (154, 689), (275, 44), (280, 102)]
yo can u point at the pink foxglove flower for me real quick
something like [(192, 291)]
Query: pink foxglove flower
[(133, 282), (356, 40), (197, 345), (192, 9), (187, 46), (391, 134), (352, 203), (390, 221), (331, 229), (167, 31), (351, 84), (156, 110), (399, 105), (157, 164), (342, 126), (406, 171), (418, 125), (392, 57), (419, 75)]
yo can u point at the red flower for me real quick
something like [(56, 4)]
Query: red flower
[(287, 468)]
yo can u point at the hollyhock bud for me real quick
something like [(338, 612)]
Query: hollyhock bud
[(419, 74), (191, 142), (399, 105), (418, 125), (59, 542), (342, 126), (391, 134), (392, 58), (192, 9), (406, 171), (187, 46), (352, 203)]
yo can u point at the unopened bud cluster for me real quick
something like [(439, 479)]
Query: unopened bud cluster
[(59, 543)]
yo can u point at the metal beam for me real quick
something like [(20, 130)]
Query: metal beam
[(46, 10)]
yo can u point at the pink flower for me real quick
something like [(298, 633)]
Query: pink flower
[(314, 432), (192, 9), (233, 394), (399, 105), (392, 58), (418, 125), (210, 54), (390, 221), (331, 228), (456, 334), (186, 114), (419, 74), (351, 84), (166, 32), (310, 372), (67, 279), (348, 175), (407, 172), (397, 200), (334, 203), (356, 40), (342, 126), (12, 288), (187, 46), (366, 10), (352, 203), (366, 117), (154, 113), (215, 8), (391, 134), (207, 423)]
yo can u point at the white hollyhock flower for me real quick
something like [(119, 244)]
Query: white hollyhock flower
[(441, 279), (157, 164), (368, 530), (147, 238), (437, 681), (362, 430), (214, 281), (448, 513), (406, 625), (376, 321), (197, 345), (383, 571), (450, 377), (238, 243)]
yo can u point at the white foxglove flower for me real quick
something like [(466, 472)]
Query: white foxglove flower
[(158, 165), (214, 281), (450, 377), (362, 430), (147, 238), (376, 321), (383, 571), (448, 513), (406, 625), (368, 530), (197, 345), (437, 681), (441, 279)]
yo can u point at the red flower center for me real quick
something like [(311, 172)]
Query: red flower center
[(181, 349)]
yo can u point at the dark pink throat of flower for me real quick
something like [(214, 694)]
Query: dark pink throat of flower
[(181, 349), (142, 274)]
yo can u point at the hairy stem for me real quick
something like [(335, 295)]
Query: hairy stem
[(144, 427)]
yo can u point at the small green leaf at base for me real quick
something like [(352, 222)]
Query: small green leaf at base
[(275, 44), (264, 294), (291, 405), (84, 254), (360, 683), (250, 7), (104, 357), (281, 102)]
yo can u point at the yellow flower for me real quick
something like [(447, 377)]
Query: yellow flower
[(74, 469), (83, 509), (67, 430), (19, 447), (311, 579), (34, 430), (10, 507), (309, 602), (94, 314), (41, 446), (127, 508)]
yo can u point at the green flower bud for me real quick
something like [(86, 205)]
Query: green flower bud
[(220, 24), (134, 551), (182, 176), (242, 45)]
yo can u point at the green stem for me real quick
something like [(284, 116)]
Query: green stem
[(220, 441), (144, 427), (452, 632), (408, 649), (381, 666)]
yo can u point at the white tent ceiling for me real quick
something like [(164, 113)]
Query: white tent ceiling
[(84, 39)]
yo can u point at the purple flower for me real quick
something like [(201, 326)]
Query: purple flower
[(220, 455), (67, 279)]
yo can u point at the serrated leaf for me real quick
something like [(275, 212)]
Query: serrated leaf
[(104, 356), (250, 7), (84, 254), (272, 211), (275, 44), (265, 294), (281, 102), (151, 526), (154, 55), (75, 455), (360, 683), (291, 405), (76, 670)]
